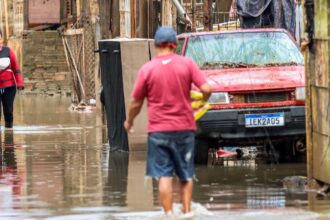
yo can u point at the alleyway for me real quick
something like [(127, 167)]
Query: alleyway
[(55, 165)]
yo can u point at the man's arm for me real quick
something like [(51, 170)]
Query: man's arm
[(206, 91), (133, 110)]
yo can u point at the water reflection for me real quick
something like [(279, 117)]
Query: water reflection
[(116, 186), (247, 187), (54, 164), (141, 193), (10, 181)]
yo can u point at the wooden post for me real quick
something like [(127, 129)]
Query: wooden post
[(125, 18), (26, 15), (206, 12), (97, 66), (133, 27), (94, 10), (167, 12), (6, 21), (114, 17), (309, 145), (193, 16), (78, 8), (104, 18), (1, 15), (318, 93), (210, 16)]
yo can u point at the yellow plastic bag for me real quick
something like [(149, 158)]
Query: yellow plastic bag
[(196, 96), (197, 104), (200, 107), (201, 111)]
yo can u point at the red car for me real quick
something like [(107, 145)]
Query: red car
[(258, 82)]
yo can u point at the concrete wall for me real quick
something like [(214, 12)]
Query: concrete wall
[(44, 63)]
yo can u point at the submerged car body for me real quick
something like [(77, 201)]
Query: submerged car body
[(258, 86)]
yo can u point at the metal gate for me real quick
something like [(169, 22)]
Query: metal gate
[(79, 45)]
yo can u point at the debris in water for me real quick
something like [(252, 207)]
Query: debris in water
[(295, 183), (81, 108)]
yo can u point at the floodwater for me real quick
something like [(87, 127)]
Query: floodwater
[(56, 164)]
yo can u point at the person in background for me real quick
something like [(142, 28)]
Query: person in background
[(166, 82), (11, 79)]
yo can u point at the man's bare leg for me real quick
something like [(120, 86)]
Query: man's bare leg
[(186, 194), (166, 193)]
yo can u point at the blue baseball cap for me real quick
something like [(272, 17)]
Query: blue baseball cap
[(165, 36)]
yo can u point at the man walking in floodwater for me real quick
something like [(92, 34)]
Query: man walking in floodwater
[(166, 83)]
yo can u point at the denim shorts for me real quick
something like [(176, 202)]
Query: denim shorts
[(171, 153)]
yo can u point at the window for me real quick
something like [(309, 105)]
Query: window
[(180, 46), (245, 48)]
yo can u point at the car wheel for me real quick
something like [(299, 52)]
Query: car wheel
[(290, 151), (201, 151)]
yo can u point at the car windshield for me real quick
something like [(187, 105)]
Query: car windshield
[(245, 49)]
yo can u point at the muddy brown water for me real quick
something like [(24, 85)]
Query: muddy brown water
[(55, 164)]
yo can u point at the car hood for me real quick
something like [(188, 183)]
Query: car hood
[(253, 79)]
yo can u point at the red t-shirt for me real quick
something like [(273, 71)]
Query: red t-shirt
[(166, 83)]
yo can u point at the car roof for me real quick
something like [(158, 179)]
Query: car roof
[(233, 31)]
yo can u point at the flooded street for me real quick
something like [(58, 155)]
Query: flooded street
[(56, 164)]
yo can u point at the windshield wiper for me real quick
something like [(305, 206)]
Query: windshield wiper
[(284, 64), (214, 65), (247, 65)]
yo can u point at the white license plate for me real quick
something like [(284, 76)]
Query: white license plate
[(264, 120)]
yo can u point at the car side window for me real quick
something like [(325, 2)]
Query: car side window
[(180, 46)]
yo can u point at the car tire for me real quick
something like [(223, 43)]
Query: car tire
[(285, 150), (289, 154), (201, 151)]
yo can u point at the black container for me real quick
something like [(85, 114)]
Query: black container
[(121, 60), (114, 100)]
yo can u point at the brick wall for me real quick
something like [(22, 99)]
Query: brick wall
[(44, 64), (199, 13)]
